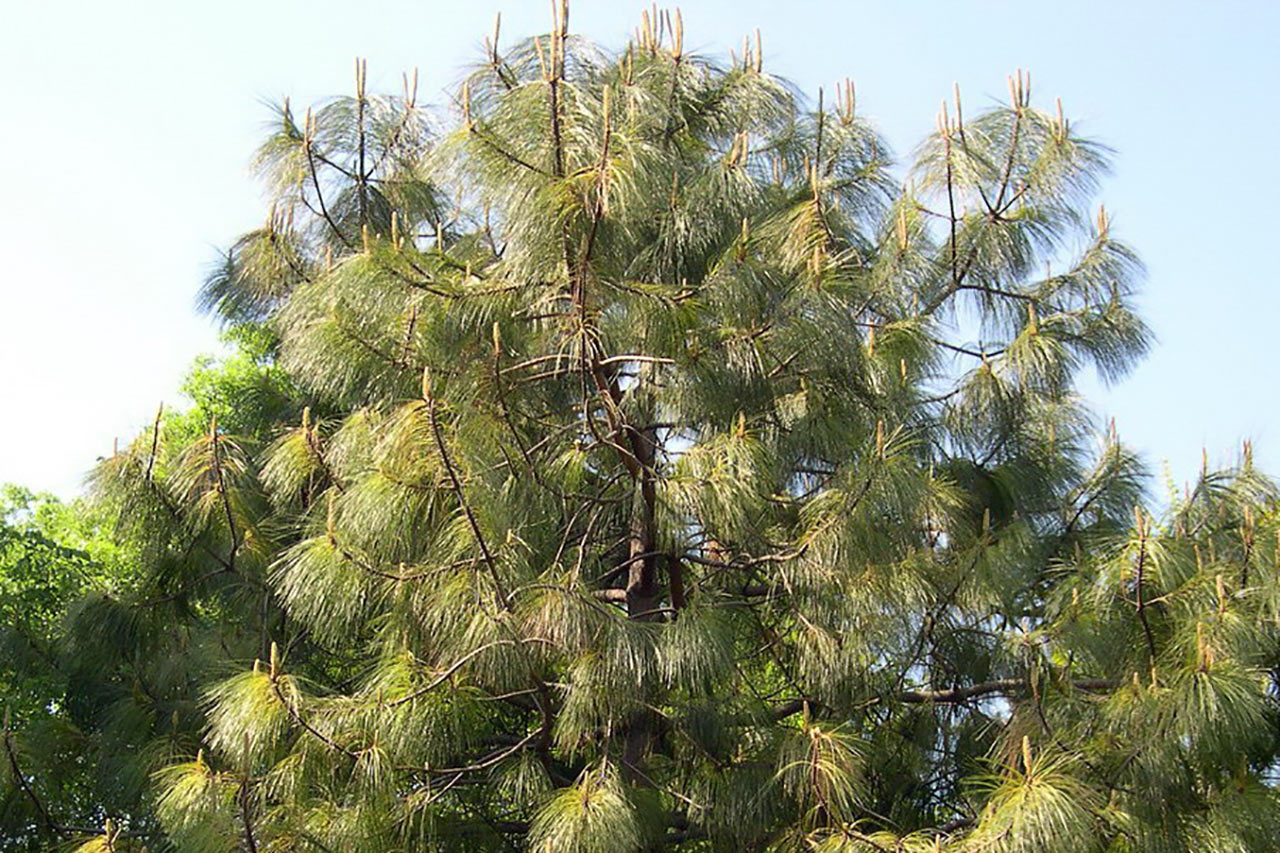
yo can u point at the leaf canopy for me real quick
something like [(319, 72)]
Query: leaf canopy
[(636, 456)]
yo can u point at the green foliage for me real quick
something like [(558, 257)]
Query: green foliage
[(51, 553), (639, 457), (247, 391), (590, 816)]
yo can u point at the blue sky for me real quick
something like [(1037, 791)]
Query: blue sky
[(128, 127)]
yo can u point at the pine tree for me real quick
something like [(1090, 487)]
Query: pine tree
[(680, 473)]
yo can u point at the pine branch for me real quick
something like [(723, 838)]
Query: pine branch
[(498, 586), (296, 716), (21, 779), (225, 498), (489, 760), (1139, 585), (246, 820), (50, 825), (449, 671), (155, 443), (315, 182), (955, 695), (362, 176)]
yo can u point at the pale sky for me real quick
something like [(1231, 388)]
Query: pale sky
[(130, 123)]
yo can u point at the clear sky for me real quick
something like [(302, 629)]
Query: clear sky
[(128, 126)]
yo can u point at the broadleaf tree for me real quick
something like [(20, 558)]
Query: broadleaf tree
[(58, 775), (669, 467)]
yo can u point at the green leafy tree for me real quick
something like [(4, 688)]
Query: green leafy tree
[(677, 474), (51, 554), (246, 390), (103, 667)]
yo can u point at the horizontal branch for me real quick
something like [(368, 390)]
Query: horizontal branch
[(953, 696), (1004, 686)]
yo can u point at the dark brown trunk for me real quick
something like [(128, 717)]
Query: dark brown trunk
[(644, 594)]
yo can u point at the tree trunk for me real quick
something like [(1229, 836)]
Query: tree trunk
[(644, 594)]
